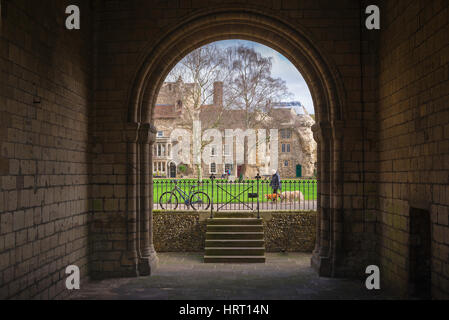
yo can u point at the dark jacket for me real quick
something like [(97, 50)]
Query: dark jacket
[(276, 181)]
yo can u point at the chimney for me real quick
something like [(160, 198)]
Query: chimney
[(218, 94)]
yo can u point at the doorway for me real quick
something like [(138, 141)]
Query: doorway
[(294, 44), (298, 171), (239, 170), (420, 254), (172, 170)]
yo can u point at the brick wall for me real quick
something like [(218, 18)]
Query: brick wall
[(413, 136), (44, 96)]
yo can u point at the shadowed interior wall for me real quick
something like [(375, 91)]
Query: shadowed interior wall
[(413, 137), (44, 104)]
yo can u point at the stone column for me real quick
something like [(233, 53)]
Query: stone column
[(321, 256), (317, 137), (148, 260), (130, 258), (337, 196)]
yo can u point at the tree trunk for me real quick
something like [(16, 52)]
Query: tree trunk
[(199, 172)]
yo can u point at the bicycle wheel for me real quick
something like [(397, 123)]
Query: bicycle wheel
[(200, 201), (168, 201)]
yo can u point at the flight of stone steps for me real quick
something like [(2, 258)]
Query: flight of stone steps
[(235, 240)]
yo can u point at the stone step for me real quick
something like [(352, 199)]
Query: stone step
[(235, 251), (235, 214), (234, 259), (234, 221), (235, 243), (234, 228), (234, 235)]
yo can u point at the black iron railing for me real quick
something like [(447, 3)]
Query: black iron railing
[(217, 195)]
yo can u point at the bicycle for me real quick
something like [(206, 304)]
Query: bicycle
[(197, 200)]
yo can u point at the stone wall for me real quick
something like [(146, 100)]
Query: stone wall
[(44, 103), (186, 231), (413, 137)]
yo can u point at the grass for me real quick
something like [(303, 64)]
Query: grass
[(226, 191)]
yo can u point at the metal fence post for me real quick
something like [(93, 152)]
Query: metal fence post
[(212, 178), (257, 181)]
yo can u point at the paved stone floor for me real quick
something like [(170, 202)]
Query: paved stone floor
[(181, 276)]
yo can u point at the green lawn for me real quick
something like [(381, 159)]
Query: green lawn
[(307, 187)]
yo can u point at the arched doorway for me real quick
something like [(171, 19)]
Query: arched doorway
[(293, 42), (172, 170)]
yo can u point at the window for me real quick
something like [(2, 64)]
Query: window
[(288, 147), (227, 150), (213, 151), (160, 134), (159, 150), (286, 133), (283, 147), (285, 163), (213, 167)]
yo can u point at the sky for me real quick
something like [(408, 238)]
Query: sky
[(282, 68)]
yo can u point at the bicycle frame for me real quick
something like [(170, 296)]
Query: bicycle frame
[(183, 194), (186, 197)]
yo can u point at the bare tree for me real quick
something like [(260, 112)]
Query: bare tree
[(248, 86), (252, 89), (200, 70), (251, 86)]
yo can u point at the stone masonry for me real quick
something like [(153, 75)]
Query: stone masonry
[(45, 101), (186, 231), (296, 146)]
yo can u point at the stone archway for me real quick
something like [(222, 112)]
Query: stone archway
[(172, 170), (295, 43)]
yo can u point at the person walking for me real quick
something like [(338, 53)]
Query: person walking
[(275, 183)]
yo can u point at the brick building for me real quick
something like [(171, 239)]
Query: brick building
[(296, 147), (77, 128)]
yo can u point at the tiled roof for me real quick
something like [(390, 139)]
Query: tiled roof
[(165, 112)]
